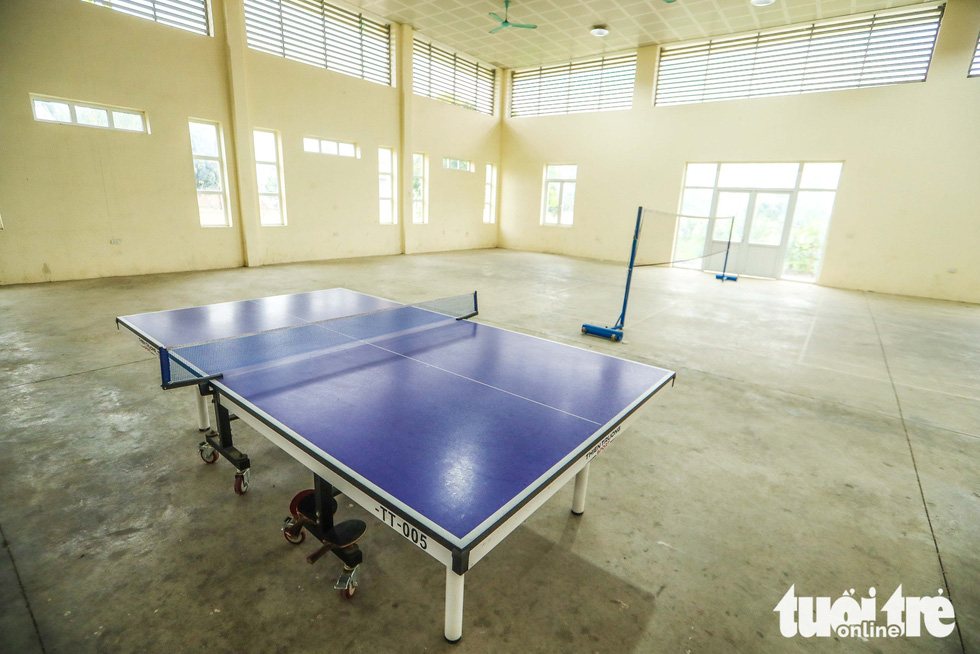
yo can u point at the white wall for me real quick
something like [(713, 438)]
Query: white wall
[(908, 205)]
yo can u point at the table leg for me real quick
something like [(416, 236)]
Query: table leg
[(581, 485), (203, 419), (454, 606)]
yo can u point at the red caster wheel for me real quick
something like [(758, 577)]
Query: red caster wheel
[(294, 505), (348, 593), (295, 539), (209, 456), (241, 483)]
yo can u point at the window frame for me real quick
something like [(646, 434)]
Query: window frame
[(165, 13), (463, 81), (355, 148), (802, 58), (352, 43), (422, 201), (281, 193), (599, 83), (222, 169), (490, 195), (392, 177), (799, 186), (562, 182), (72, 110), (470, 166)]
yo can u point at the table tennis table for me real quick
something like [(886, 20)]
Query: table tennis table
[(449, 431)]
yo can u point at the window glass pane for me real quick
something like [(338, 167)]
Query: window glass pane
[(567, 203), (54, 111), (562, 172), (268, 178), (384, 160), (417, 188), (204, 140), (387, 211), (269, 213), (127, 121), (346, 149), (208, 174), (418, 212), (328, 147), (265, 147), (553, 194), (418, 165), (384, 186), (91, 116), (489, 177), (486, 193), (311, 145), (821, 175), (486, 213), (769, 218), (699, 174), (758, 175), (691, 234), (212, 209), (811, 218), (697, 202), (731, 204)]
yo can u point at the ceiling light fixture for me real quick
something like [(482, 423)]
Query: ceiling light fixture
[(761, 3), (599, 30)]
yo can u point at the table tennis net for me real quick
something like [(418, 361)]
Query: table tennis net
[(198, 362)]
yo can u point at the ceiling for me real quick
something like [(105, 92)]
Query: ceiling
[(563, 26)]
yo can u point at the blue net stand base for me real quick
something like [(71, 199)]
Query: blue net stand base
[(611, 333), (727, 277)]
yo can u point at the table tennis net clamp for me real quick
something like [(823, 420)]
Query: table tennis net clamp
[(311, 510)]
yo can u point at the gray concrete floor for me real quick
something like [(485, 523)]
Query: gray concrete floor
[(824, 438)]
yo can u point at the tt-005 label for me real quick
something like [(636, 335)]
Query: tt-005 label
[(601, 445), (406, 529)]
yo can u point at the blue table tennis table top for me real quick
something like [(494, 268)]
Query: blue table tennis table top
[(455, 422)]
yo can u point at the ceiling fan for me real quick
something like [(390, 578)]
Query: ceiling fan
[(506, 23)]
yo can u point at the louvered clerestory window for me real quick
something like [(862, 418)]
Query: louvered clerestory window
[(603, 84), (452, 78), (190, 15), (314, 32), (888, 47)]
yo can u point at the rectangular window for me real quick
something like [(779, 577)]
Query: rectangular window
[(603, 84), (559, 195), (888, 47), (191, 15), (490, 195), (320, 34), (451, 78), (770, 218), (336, 148), (209, 173), (386, 186), (268, 174), (420, 188), (975, 66), (458, 164), (88, 114)]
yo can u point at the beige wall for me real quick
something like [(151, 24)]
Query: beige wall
[(906, 211), (908, 205), (67, 191)]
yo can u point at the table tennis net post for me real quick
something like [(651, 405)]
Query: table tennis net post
[(196, 363)]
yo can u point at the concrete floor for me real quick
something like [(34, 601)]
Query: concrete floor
[(824, 438)]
